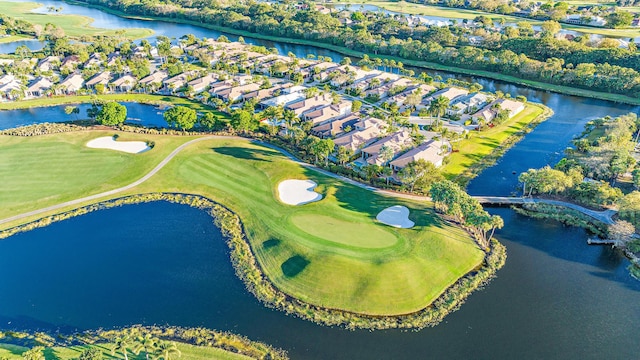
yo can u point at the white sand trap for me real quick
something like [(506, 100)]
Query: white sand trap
[(109, 142), (396, 216), (298, 192)]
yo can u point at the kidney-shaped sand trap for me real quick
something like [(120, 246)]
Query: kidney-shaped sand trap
[(298, 192), (109, 142), (396, 216)]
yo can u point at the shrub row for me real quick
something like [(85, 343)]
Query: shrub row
[(42, 129), (564, 215)]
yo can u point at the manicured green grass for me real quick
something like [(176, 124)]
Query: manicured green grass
[(336, 268), (73, 25), (52, 169), (456, 13), (351, 233), (482, 143), (12, 38), (398, 271), (189, 352), (139, 98)]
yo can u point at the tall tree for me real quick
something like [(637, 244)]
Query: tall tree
[(112, 114), (181, 116)]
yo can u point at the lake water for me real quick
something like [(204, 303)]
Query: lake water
[(137, 114), (162, 263), (556, 297)]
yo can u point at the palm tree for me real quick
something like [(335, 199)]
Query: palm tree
[(438, 107), (122, 344), (34, 354), (146, 343), (166, 350)]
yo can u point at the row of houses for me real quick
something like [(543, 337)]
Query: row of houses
[(329, 114)]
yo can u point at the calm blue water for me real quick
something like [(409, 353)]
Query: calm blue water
[(555, 298), (162, 263), (141, 114)]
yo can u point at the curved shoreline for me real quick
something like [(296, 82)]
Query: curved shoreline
[(560, 89), (250, 272)]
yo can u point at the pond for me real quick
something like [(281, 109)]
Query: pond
[(162, 263), (137, 114)]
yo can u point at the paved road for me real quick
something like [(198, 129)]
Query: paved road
[(603, 216)]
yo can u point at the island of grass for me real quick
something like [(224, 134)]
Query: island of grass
[(73, 25), (365, 268)]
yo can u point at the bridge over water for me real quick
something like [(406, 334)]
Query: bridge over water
[(604, 216)]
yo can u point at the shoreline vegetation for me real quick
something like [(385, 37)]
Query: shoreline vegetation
[(567, 90), (194, 343), (256, 282)]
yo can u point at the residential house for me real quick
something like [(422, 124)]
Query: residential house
[(467, 103), (397, 142), (201, 84), (178, 81), (450, 93), (366, 131), (38, 87), (49, 63), (70, 62), (124, 83), (153, 80), (431, 151), (100, 78), (9, 86), (303, 105), (327, 113), (335, 127), (489, 112), (71, 84)]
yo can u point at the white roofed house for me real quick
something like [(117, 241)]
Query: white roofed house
[(10, 87), (450, 93), (101, 78), (176, 82), (432, 151), (396, 142), (124, 83), (153, 81), (366, 131), (235, 93), (38, 87), (201, 84), (490, 111), (71, 85), (327, 113), (48, 63), (467, 103)]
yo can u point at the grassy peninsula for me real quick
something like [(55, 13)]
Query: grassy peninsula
[(296, 247)]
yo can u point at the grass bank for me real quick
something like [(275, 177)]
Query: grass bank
[(407, 62), (189, 352), (405, 274), (73, 25), (12, 38), (483, 148), (79, 99)]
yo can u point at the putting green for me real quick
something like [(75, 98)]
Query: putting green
[(344, 232)]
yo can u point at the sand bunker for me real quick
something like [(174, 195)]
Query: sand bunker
[(396, 216), (109, 142), (298, 192)]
